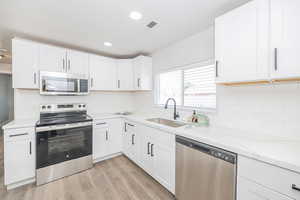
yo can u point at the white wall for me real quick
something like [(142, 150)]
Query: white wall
[(266, 110), (27, 102)]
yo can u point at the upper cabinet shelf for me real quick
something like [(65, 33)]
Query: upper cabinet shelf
[(106, 74), (258, 42)]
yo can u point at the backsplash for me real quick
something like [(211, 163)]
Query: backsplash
[(27, 102)]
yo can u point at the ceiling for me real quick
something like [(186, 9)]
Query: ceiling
[(86, 24)]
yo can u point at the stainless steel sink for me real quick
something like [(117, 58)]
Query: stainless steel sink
[(166, 122)]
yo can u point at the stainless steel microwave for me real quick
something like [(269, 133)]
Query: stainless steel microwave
[(56, 83)]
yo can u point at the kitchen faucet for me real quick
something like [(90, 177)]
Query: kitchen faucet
[(176, 115)]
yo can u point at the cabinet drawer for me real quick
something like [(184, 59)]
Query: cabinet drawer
[(275, 178), (100, 124), (18, 134)]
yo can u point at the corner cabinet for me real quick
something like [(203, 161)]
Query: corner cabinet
[(124, 74), (142, 67), (19, 156), (241, 43), (25, 64), (103, 73)]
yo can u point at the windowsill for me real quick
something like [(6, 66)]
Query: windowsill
[(185, 108)]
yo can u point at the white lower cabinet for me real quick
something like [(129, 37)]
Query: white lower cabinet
[(19, 155), (248, 190), (107, 139), (131, 141), (156, 151)]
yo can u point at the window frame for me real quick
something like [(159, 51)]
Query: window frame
[(182, 68)]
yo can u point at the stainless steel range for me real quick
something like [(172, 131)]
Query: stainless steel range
[(63, 141)]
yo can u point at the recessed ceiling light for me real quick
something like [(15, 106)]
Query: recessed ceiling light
[(108, 44), (135, 15)]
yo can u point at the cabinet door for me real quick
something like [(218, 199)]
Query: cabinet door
[(52, 58), (142, 67), (24, 64), (248, 190), (103, 73), (146, 161), (100, 142), (241, 47), (285, 41), (77, 62), (125, 74), (115, 136), (19, 160)]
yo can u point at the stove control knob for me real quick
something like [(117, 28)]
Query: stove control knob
[(43, 107), (49, 107), (79, 106), (83, 105)]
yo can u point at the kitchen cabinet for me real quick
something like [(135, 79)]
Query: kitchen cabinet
[(77, 62), (52, 58), (25, 64), (107, 138), (124, 74), (242, 43), (285, 41), (248, 190), (263, 174), (157, 149), (131, 141), (19, 155), (142, 68), (103, 73)]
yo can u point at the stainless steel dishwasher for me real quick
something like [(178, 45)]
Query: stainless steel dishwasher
[(204, 172)]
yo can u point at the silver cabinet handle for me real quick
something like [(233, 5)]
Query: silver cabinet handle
[(30, 151), (106, 134), (275, 59), (34, 78), (217, 68), (138, 82), (92, 82), (63, 64), (16, 135), (119, 83), (132, 139), (125, 127), (294, 187), (152, 154), (148, 148), (69, 64), (102, 123)]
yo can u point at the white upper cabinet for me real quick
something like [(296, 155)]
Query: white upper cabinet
[(24, 64), (124, 74), (77, 62), (52, 58), (142, 67), (285, 40), (103, 73), (241, 43)]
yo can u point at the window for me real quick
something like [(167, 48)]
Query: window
[(191, 87)]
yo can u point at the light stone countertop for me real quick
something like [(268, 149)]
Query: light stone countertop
[(273, 150)]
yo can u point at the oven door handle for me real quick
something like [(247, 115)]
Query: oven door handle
[(62, 127)]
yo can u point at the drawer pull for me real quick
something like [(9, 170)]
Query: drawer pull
[(103, 123), (130, 124), (294, 187), (16, 135)]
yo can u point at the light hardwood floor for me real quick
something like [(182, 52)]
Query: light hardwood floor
[(114, 179)]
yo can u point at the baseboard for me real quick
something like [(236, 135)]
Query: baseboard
[(21, 183), (107, 157)]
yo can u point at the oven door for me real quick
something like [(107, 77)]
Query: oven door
[(56, 146)]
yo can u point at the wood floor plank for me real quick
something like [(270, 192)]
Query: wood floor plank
[(114, 179)]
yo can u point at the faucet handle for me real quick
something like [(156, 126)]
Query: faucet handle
[(177, 115)]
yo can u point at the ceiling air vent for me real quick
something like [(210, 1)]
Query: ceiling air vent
[(152, 24)]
